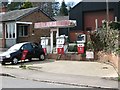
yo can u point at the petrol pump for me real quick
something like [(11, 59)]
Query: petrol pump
[(81, 39), (61, 44), (45, 44)]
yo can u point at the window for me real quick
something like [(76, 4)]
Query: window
[(10, 30), (1, 30), (23, 30), (27, 47)]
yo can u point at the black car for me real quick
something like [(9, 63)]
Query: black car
[(15, 53)]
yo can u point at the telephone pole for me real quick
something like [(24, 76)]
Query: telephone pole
[(107, 14)]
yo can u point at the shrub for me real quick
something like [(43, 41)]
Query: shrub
[(72, 48), (105, 40)]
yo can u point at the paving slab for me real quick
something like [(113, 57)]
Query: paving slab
[(85, 68)]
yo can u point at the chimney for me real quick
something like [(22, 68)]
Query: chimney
[(3, 9)]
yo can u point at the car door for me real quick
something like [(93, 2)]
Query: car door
[(28, 47), (36, 51)]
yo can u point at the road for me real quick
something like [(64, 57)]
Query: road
[(9, 82)]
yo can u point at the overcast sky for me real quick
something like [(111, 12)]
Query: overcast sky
[(66, 1)]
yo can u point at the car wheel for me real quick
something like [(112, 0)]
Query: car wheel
[(42, 57), (3, 63), (30, 59), (14, 61)]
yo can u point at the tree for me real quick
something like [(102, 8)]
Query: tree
[(55, 8), (26, 4), (19, 5), (14, 6), (4, 3), (51, 8), (63, 9)]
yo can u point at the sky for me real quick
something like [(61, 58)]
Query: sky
[(66, 1), (76, 1)]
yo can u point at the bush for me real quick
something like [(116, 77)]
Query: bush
[(115, 25), (83, 55), (72, 48), (90, 46), (119, 78), (105, 40)]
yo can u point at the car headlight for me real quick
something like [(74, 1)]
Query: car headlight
[(7, 56)]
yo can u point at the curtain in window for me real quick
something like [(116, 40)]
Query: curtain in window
[(10, 30)]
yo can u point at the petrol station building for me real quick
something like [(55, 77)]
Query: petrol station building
[(55, 26)]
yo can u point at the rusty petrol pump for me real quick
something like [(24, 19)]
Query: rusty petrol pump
[(81, 39), (45, 44), (61, 44)]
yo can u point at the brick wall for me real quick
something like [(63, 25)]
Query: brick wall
[(3, 9), (1, 43), (111, 58), (35, 17), (89, 18), (73, 35)]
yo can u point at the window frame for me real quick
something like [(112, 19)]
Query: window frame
[(1, 31), (23, 30), (10, 28)]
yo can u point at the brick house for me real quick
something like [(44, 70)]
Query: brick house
[(18, 26), (86, 13)]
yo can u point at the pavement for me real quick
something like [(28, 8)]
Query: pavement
[(78, 73), (85, 68)]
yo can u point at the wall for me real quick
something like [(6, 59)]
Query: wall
[(111, 58), (10, 42), (3, 9), (73, 35), (34, 17), (89, 18), (76, 13), (1, 44)]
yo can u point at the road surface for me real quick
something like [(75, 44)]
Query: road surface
[(9, 82)]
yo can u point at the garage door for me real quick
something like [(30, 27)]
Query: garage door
[(89, 18)]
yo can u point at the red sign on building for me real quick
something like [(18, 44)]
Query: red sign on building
[(61, 24)]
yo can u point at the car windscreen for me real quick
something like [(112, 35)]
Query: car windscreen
[(15, 47)]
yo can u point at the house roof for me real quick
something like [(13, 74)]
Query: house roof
[(94, 1), (18, 14), (57, 18)]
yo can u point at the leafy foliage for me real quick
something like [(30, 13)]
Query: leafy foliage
[(89, 45), (105, 40), (14, 6), (51, 8), (26, 4), (115, 25), (63, 9), (72, 48), (19, 5), (4, 2)]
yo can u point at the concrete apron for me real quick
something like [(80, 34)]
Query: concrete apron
[(84, 68)]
